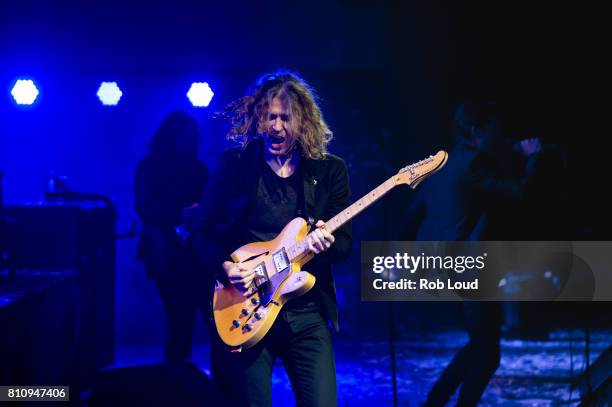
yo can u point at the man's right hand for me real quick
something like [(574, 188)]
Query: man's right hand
[(240, 276)]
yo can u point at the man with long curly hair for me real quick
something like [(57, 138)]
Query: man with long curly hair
[(280, 170)]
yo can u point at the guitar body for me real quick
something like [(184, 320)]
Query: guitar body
[(243, 320)]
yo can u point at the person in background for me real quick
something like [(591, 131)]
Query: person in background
[(169, 182), (471, 199)]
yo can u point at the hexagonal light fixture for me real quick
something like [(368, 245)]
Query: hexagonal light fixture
[(24, 92), (200, 94), (109, 93)]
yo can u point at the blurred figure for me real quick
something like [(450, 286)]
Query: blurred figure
[(483, 174), (462, 203), (169, 182)]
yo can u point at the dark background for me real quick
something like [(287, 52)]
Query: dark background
[(389, 75)]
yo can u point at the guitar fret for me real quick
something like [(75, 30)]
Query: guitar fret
[(360, 205)]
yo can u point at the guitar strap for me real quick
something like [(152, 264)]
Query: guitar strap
[(307, 188)]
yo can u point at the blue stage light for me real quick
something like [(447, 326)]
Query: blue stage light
[(109, 93), (24, 92), (200, 94)]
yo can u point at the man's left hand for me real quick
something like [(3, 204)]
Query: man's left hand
[(320, 239)]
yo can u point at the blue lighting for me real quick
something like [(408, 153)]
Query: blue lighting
[(200, 94), (24, 92), (109, 93)]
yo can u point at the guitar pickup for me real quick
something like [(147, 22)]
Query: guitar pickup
[(261, 274), (281, 260)]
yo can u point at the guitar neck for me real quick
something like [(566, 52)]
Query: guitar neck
[(300, 249), (357, 207)]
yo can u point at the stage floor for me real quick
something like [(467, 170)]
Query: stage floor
[(532, 372)]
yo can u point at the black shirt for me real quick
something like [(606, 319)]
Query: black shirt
[(277, 202)]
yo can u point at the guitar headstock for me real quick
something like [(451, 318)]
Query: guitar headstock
[(413, 174)]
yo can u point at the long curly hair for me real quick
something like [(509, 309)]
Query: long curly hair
[(247, 116)]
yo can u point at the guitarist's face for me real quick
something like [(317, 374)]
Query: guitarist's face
[(279, 138)]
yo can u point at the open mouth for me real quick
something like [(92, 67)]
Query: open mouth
[(276, 138), (276, 141)]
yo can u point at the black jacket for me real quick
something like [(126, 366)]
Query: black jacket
[(231, 191)]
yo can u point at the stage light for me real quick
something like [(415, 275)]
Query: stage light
[(24, 92), (109, 93), (200, 94)]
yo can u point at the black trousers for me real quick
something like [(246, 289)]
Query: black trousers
[(183, 297), (473, 366), (302, 341)]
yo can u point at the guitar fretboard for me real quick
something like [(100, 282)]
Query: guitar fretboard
[(300, 248)]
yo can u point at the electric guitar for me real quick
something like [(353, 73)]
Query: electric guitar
[(242, 319)]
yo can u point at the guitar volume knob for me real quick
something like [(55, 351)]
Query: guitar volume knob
[(245, 312), (236, 323)]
